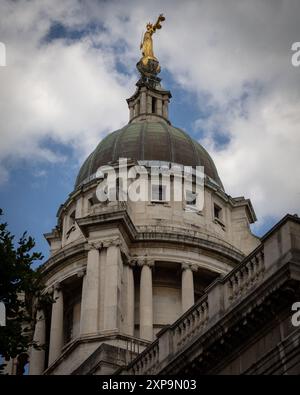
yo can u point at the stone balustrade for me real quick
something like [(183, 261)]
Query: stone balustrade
[(243, 278), (147, 361), (191, 324)]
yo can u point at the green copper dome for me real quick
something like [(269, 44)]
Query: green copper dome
[(148, 141)]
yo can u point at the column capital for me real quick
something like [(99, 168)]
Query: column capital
[(132, 262), (57, 287), (116, 241), (190, 266), (141, 261), (93, 245), (40, 314), (194, 268), (128, 261), (81, 273)]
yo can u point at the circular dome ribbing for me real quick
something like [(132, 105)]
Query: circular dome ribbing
[(148, 141)]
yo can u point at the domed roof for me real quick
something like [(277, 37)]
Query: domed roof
[(148, 141)]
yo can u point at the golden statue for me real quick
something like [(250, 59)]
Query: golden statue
[(147, 42)]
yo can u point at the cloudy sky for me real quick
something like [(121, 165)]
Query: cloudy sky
[(71, 65)]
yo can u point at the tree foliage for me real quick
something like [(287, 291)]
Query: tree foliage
[(20, 285)]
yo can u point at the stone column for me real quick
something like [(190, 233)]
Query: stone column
[(129, 329), (146, 300), (187, 286), (57, 325), (112, 285), (37, 357), (89, 316)]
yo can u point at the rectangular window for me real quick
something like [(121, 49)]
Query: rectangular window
[(190, 198), (91, 202), (158, 193), (217, 212)]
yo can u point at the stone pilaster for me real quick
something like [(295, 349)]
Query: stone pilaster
[(187, 286), (146, 299), (37, 357), (57, 325), (129, 313), (112, 284)]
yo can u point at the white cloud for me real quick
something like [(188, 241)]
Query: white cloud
[(65, 90), (234, 56)]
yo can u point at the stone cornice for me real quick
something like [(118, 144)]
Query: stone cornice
[(118, 217), (70, 252), (121, 217), (77, 251)]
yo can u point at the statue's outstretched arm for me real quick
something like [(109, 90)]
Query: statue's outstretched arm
[(157, 25)]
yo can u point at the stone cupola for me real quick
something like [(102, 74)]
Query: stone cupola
[(150, 101)]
